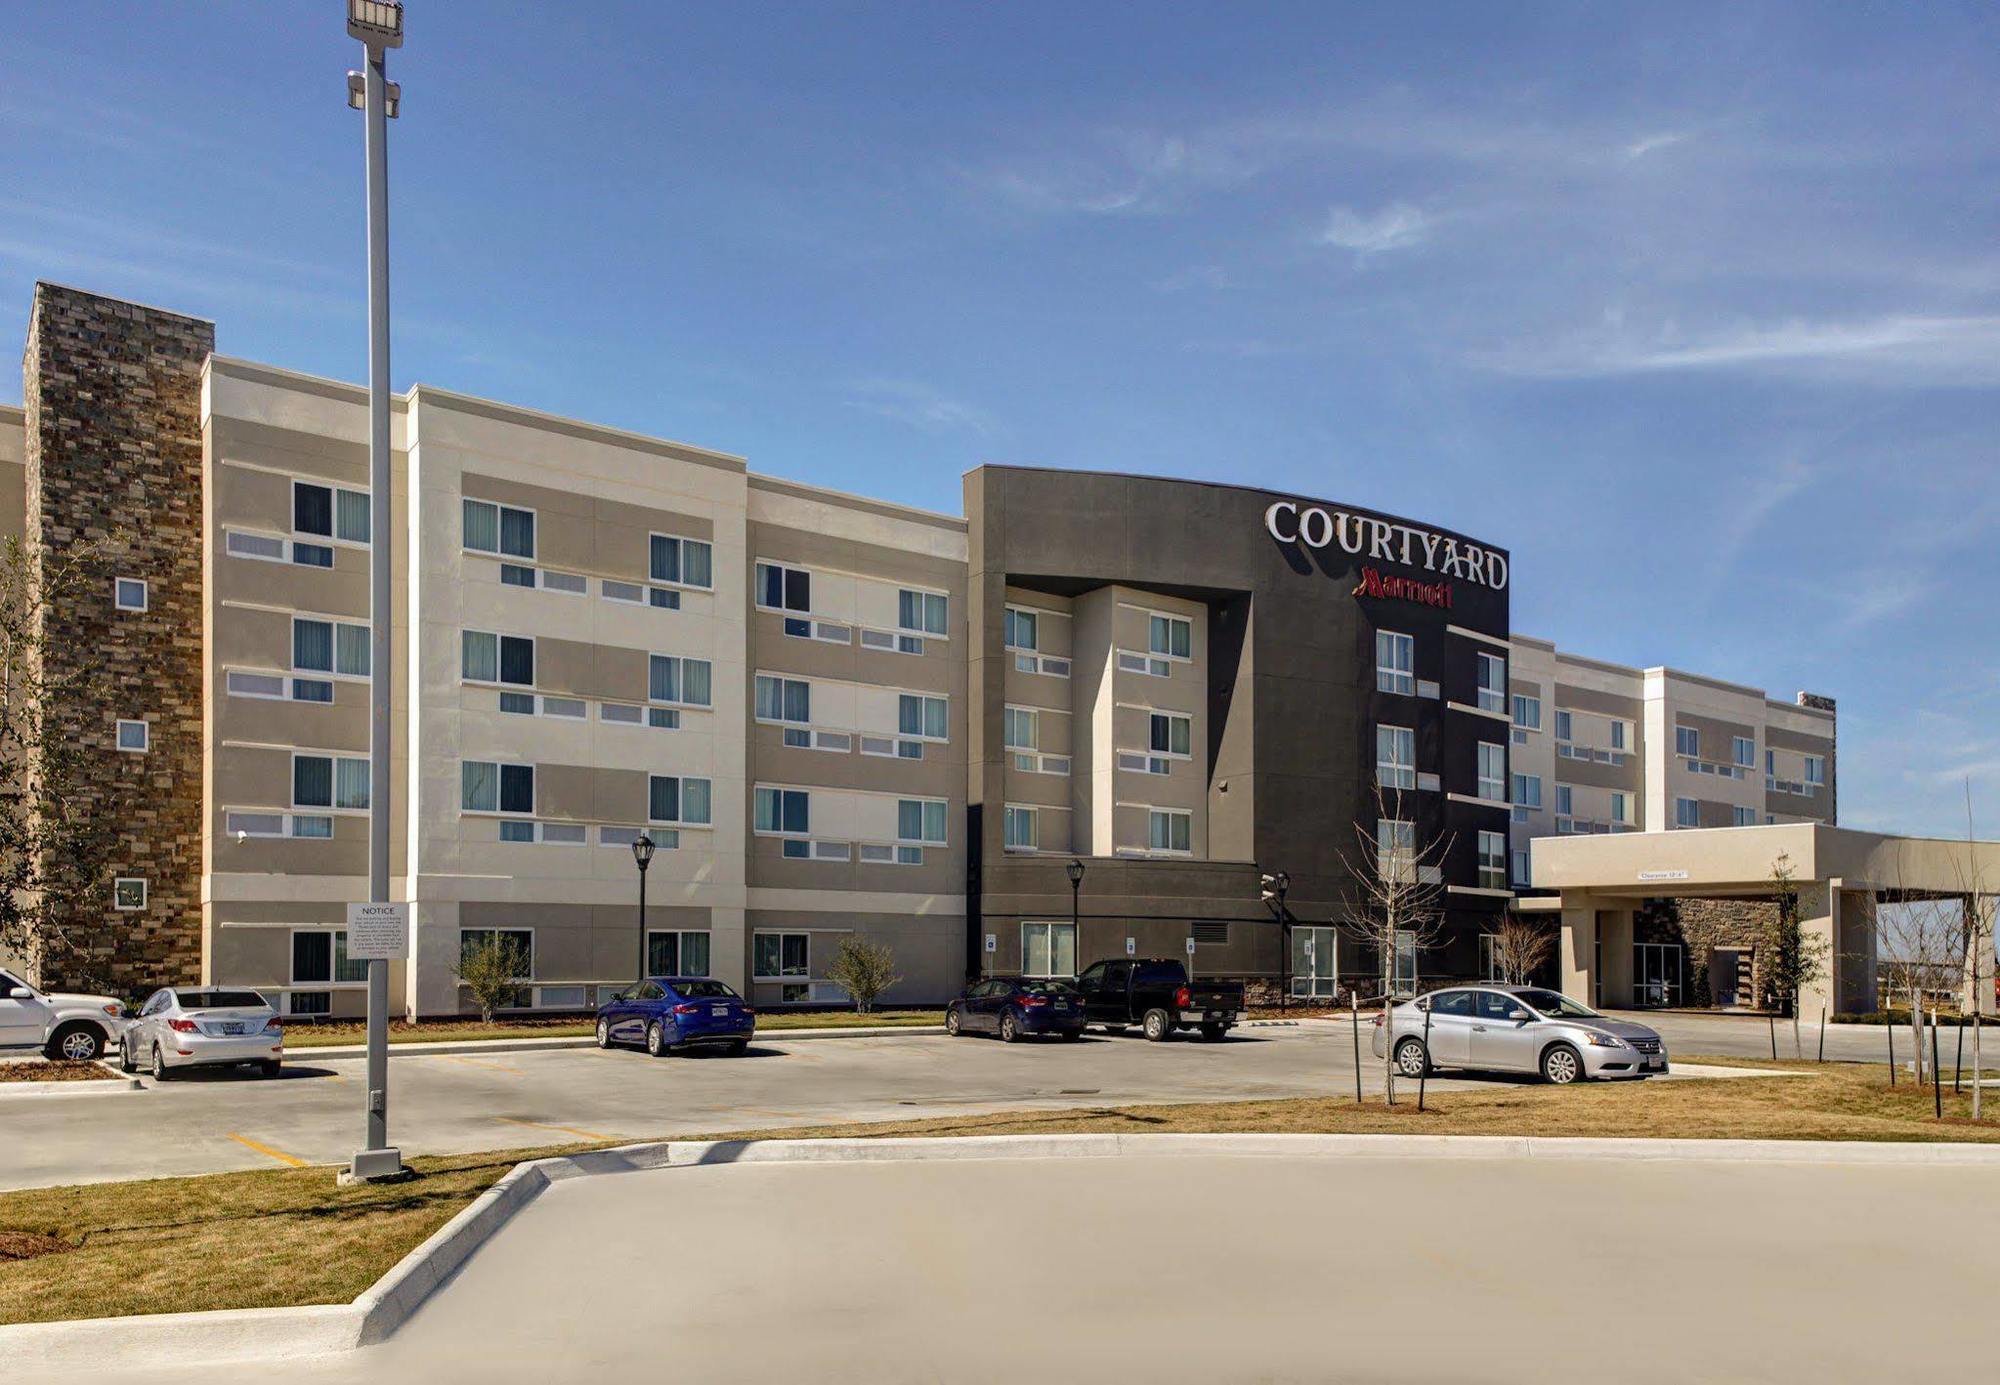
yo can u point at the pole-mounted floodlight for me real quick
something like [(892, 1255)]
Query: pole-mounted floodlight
[(377, 23)]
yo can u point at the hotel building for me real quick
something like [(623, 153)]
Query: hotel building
[(835, 716)]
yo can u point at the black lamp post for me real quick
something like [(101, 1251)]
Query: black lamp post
[(642, 856), (1276, 885), (1075, 872)]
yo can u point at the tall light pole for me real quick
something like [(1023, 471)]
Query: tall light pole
[(1075, 872), (1276, 885), (642, 856), (378, 24)]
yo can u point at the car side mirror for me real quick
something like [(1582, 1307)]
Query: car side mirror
[(1519, 1016), (19, 993)]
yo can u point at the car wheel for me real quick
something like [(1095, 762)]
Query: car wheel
[(1411, 1060), (75, 1043), (603, 1032), (270, 1067), (1010, 1028), (656, 1039), (125, 1063), (1213, 1032), (1158, 1025), (161, 1072), (951, 1023), (1562, 1065)]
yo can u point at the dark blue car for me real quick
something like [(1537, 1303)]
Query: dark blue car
[(1012, 1006), (672, 1012)]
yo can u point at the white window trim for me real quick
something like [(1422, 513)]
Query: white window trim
[(294, 983), (329, 540), (677, 823), (289, 679), (682, 659), (534, 644), (145, 595), (534, 950), (286, 823), (1397, 766), (652, 581), (145, 736), (1033, 810), (332, 675), (781, 978), (496, 811), (336, 756), (1381, 669), (757, 588), (534, 560), (145, 893), (926, 591)]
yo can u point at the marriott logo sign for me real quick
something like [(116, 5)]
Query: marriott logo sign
[(1365, 536)]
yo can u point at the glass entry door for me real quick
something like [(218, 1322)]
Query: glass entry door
[(1656, 974), (1314, 973)]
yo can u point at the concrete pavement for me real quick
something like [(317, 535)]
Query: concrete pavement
[(1217, 1268)]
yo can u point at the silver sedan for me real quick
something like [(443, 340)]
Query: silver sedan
[(192, 1026), (1516, 1029)]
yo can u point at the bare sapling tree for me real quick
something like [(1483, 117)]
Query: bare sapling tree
[(1394, 901), (1923, 949), (1977, 909), (54, 839), (1797, 959), (864, 969), (491, 966), (1521, 948)]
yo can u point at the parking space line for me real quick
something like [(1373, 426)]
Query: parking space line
[(290, 1160), (564, 1129), (480, 1063)]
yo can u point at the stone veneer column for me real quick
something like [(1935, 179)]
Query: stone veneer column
[(114, 459)]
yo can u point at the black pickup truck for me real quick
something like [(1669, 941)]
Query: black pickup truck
[(1155, 994)]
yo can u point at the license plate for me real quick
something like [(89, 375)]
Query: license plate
[(1656, 1063), (719, 1011), (232, 1029)]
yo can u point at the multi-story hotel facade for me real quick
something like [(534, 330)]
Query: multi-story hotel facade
[(835, 716)]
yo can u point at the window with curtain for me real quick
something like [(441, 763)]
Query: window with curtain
[(1492, 772), (1020, 826), (312, 509), (1020, 629), (480, 656), (681, 680), (920, 820), (689, 562), (783, 699), (517, 532), (482, 526), (920, 716), (782, 810), (352, 516), (1396, 757), (674, 799), (1019, 726), (1170, 734), (517, 788), (779, 954), (312, 644), (1168, 830), (784, 588), (1395, 662), (312, 781), (1048, 949), (479, 786), (921, 611), (351, 650), (350, 783), (1170, 635)]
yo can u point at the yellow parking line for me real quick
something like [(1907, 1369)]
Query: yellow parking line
[(481, 1063), (565, 1129), (290, 1160)]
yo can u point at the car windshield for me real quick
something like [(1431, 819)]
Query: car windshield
[(1054, 988), (1555, 1005), (703, 990), (221, 1000)]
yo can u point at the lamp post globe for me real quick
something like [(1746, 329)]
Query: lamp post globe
[(642, 856)]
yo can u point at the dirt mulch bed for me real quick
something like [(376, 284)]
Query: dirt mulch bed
[(30, 1245), (39, 1070)]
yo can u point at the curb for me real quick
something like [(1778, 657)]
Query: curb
[(445, 1049), (260, 1334)]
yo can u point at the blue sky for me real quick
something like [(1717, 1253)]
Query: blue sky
[(1695, 309)]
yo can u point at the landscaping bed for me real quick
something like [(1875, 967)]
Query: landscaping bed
[(272, 1238), (47, 1070)]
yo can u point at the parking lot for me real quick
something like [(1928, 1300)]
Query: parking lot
[(208, 1122)]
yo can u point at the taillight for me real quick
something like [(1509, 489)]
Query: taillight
[(1182, 1001), (687, 1009), (181, 1026), (274, 1025), (748, 1011), (1377, 1021), (1028, 1001)]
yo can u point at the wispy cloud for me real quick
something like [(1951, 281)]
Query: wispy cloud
[(920, 406), (1897, 349), (1395, 227), (1651, 144)]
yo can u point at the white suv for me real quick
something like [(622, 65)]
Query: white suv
[(76, 1027)]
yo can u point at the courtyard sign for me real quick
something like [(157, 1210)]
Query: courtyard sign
[(1386, 541)]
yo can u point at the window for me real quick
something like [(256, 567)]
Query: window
[(1169, 733), (1018, 726), (1395, 757), (135, 736), (487, 787), (128, 594), (1687, 813), (779, 954), (1563, 801), (1020, 629), (329, 781), (1395, 662), (1744, 751), (1816, 770), (1170, 636), (781, 588), (1048, 949), (1406, 962), (674, 799), (1620, 731), (518, 942), (319, 958), (1492, 772), (920, 820), (783, 699), (689, 562), (783, 811), (1527, 712), (687, 681), (1020, 824), (330, 511), (330, 646), (499, 529), (922, 612), (1395, 849), (677, 954), (1169, 829), (1621, 806), (1520, 859), (1687, 741), (1528, 790), (1492, 683), (128, 893), (917, 715), (1744, 817), (1315, 963), (1492, 861), (489, 658), (1562, 725)]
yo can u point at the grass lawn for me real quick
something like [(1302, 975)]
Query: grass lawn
[(290, 1236), (302, 1036)]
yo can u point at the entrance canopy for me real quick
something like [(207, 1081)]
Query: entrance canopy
[(1838, 873)]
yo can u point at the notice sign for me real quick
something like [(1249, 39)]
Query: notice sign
[(1131, 947), (378, 932), (1663, 875)]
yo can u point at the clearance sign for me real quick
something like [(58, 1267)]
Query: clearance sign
[(1408, 545)]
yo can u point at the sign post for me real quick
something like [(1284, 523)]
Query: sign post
[(378, 934)]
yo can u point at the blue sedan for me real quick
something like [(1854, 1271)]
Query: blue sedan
[(675, 1012)]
